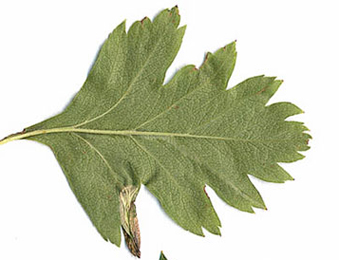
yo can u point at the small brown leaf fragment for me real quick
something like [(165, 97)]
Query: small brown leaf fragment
[(129, 220), (133, 239)]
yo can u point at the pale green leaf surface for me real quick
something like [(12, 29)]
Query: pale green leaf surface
[(125, 128)]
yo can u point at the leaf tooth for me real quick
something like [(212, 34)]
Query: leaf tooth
[(174, 13), (234, 199), (121, 27), (270, 173), (144, 19), (283, 110), (168, 16), (270, 89), (218, 67), (211, 221)]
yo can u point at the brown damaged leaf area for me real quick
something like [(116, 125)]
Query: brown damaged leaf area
[(129, 219)]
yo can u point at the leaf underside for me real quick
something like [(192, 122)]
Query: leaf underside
[(125, 127)]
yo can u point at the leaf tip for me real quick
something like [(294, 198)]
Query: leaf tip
[(120, 29), (175, 9), (142, 21), (278, 81), (174, 14), (231, 45), (123, 23), (207, 56), (249, 210)]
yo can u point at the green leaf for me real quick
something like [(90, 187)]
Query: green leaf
[(125, 128), (162, 256)]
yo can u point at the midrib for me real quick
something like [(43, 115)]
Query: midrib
[(24, 135)]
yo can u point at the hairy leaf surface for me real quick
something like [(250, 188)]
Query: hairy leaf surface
[(125, 128)]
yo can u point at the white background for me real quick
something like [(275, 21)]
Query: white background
[(46, 49)]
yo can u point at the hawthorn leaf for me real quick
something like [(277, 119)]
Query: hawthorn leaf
[(125, 128)]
